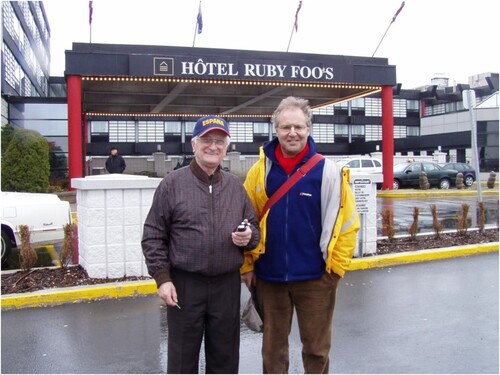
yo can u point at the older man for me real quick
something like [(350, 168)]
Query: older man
[(308, 239), (194, 253)]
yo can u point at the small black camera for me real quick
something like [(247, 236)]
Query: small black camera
[(242, 227)]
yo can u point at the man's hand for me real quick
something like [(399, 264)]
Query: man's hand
[(242, 239), (249, 279), (168, 294)]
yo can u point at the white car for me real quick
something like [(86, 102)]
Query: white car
[(45, 215), (361, 164)]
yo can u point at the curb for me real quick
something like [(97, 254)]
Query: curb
[(421, 256), (59, 296)]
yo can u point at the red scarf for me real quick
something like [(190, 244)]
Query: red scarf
[(289, 163)]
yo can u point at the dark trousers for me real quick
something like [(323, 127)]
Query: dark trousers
[(314, 302), (210, 309)]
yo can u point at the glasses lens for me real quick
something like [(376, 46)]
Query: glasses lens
[(296, 128), (207, 141)]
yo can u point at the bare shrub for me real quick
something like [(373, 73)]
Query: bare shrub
[(436, 224), (462, 220), (481, 217), (27, 253), (387, 223), (413, 229), (423, 181), (68, 246)]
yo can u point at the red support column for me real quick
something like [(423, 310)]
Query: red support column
[(387, 138), (75, 152)]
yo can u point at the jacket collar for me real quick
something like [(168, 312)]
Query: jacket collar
[(202, 175), (270, 146)]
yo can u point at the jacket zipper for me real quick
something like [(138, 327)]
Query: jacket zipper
[(286, 235), (212, 221)]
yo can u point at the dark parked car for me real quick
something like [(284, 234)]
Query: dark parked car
[(464, 168), (408, 174)]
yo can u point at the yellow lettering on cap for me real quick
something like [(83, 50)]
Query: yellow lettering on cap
[(211, 121)]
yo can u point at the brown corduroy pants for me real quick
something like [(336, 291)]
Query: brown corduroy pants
[(314, 302)]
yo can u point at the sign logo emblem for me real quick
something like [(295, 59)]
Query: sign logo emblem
[(163, 66)]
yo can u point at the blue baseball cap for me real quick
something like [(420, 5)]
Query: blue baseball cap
[(208, 123)]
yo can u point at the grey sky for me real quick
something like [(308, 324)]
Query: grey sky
[(428, 38)]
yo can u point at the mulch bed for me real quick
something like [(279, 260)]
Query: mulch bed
[(402, 244), (47, 278)]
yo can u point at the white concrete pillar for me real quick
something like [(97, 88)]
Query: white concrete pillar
[(111, 210), (160, 166)]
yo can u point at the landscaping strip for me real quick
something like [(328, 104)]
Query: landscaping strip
[(59, 296)]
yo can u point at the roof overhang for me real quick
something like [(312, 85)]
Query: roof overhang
[(150, 81)]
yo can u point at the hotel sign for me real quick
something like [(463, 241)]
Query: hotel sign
[(212, 68)]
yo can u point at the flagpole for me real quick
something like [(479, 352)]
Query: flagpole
[(295, 24), (290, 40), (392, 21), (382, 39), (195, 32)]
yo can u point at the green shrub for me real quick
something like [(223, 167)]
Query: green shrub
[(7, 134), (25, 164)]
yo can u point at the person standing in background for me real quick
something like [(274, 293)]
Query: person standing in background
[(115, 162)]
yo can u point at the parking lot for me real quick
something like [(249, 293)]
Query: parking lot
[(433, 317)]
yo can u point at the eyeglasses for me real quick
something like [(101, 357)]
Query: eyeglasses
[(296, 128), (207, 141)]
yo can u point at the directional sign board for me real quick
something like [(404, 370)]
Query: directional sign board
[(362, 191)]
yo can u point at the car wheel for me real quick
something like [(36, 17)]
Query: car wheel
[(468, 180), (6, 247), (396, 185), (444, 183)]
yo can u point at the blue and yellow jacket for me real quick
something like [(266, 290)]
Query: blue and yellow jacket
[(311, 228)]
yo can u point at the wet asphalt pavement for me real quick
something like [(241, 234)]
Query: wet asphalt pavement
[(433, 317)]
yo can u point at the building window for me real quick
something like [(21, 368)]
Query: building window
[(99, 127), (261, 131), (341, 133), (412, 131), (122, 131), (358, 103), (412, 105), (261, 128), (151, 131), (323, 133), (357, 133), (173, 131), (173, 127), (327, 110), (373, 133), (437, 109), (373, 107), (241, 132), (399, 132), (12, 69), (399, 107)]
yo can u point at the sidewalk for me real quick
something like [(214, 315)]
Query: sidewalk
[(58, 296)]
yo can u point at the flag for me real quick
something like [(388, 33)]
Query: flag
[(90, 12), (296, 24), (200, 20), (399, 10)]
